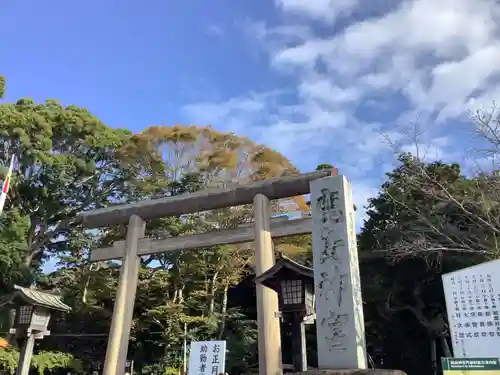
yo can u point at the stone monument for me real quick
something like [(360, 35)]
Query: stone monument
[(339, 309), (339, 306)]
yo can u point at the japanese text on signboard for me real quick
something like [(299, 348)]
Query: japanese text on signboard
[(473, 305), (207, 357)]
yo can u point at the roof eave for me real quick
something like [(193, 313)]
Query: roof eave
[(42, 299), (284, 262)]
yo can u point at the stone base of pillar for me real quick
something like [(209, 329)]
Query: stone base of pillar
[(353, 372)]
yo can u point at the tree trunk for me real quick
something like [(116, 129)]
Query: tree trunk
[(28, 258), (211, 295), (30, 236), (35, 238), (180, 295), (85, 290), (206, 284), (223, 310)]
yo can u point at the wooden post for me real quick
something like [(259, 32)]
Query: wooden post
[(116, 352), (299, 343), (267, 299), (339, 309), (23, 367)]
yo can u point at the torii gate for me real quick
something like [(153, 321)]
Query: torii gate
[(351, 354)]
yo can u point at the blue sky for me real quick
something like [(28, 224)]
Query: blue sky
[(318, 80)]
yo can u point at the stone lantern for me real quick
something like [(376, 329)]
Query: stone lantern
[(31, 309), (294, 284)]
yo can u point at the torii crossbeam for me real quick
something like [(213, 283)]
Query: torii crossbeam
[(241, 234)]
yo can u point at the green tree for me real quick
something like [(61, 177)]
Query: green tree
[(41, 361), (12, 248), (426, 220), (460, 214), (67, 161), (321, 167)]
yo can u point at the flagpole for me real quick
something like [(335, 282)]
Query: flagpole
[(6, 185)]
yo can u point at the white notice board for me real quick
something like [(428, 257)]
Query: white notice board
[(207, 357), (473, 304)]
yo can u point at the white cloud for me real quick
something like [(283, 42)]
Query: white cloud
[(215, 30), (326, 10), (352, 78), (326, 92)]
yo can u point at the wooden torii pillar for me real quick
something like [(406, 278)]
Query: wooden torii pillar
[(135, 245)]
